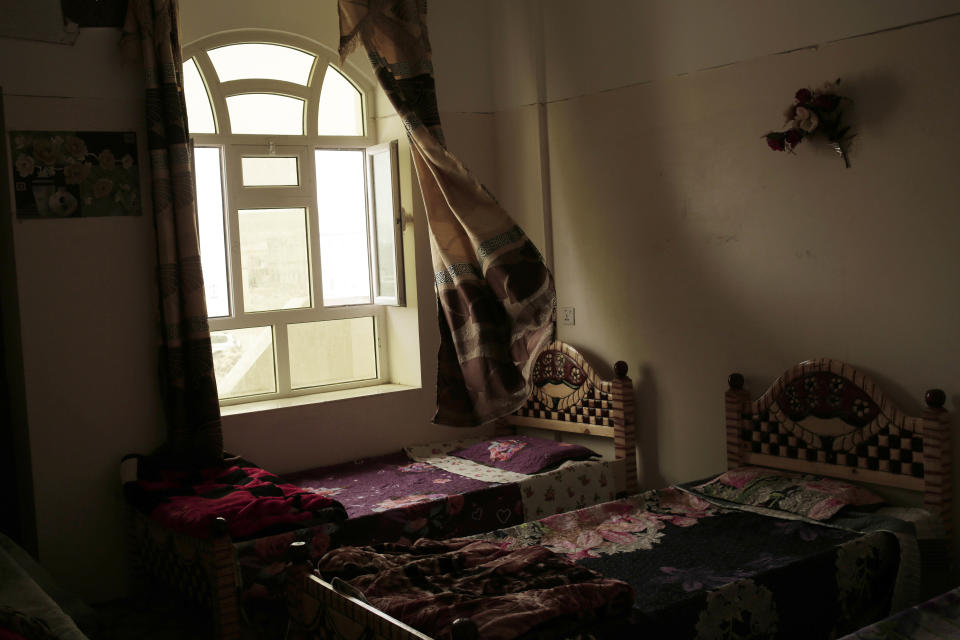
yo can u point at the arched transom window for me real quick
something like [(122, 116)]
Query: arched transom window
[(298, 215)]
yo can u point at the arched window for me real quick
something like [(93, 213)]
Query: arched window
[(298, 214)]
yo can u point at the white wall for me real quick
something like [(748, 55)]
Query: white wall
[(87, 314), (688, 248)]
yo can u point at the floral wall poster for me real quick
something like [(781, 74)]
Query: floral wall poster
[(73, 174)]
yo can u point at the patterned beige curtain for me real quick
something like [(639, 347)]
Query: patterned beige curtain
[(192, 411), (495, 296)]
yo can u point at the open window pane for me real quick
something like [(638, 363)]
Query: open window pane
[(265, 113), (269, 172), (332, 351), (199, 112), (270, 61), (213, 252), (387, 237), (243, 361), (342, 218), (273, 252), (341, 107)]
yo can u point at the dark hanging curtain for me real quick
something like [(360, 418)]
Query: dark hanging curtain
[(495, 295), (194, 437)]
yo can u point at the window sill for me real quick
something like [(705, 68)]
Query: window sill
[(313, 398)]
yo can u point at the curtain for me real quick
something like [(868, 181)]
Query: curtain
[(495, 295), (194, 436)]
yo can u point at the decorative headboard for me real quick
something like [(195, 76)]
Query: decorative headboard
[(825, 417), (567, 395)]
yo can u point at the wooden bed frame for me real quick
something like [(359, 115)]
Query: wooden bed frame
[(567, 396), (849, 429), (825, 417)]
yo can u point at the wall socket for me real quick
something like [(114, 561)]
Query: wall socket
[(567, 315)]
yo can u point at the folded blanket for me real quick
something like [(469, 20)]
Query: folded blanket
[(253, 501), (507, 594)]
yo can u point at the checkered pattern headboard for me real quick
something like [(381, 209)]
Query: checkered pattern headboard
[(566, 394), (825, 417), (891, 449)]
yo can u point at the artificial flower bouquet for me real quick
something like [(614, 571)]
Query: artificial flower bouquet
[(814, 112)]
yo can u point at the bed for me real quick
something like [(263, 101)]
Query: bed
[(760, 551), (179, 536), (32, 605)]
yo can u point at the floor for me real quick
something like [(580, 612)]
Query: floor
[(151, 616), (159, 614)]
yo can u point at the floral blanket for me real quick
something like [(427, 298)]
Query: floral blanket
[(253, 501), (573, 485), (704, 571), (507, 594), (936, 618)]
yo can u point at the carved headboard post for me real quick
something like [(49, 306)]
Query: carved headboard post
[(624, 424), (938, 460), (736, 400)]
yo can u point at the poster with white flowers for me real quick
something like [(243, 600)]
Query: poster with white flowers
[(75, 174)]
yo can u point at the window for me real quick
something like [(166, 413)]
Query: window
[(299, 220)]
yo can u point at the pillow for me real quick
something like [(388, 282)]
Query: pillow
[(522, 454), (811, 496)]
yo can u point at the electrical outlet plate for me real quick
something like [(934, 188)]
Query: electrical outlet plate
[(567, 315)]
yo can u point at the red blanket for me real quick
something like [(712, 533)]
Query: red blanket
[(253, 501)]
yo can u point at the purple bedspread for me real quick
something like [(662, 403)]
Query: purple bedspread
[(391, 498)]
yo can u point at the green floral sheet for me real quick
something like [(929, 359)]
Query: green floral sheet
[(700, 570)]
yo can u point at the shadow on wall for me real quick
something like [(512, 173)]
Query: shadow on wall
[(648, 439)]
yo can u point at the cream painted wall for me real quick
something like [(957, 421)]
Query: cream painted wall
[(88, 316), (690, 250), (702, 252)]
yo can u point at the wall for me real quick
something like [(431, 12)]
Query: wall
[(87, 316), (87, 309), (688, 248)]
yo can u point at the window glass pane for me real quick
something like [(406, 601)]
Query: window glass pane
[(240, 61), (199, 112), (213, 252), (273, 252), (332, 351), (383, 204), (270, 172), (341, 107), (243, 361), (265, 113), (344, 258)]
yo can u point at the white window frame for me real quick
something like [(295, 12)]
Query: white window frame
[(236, 197)]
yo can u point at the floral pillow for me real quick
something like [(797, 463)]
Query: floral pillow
[(522, 454), (811, 496)]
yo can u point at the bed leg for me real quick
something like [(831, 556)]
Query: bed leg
[(225, 606), (298, 555)]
